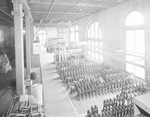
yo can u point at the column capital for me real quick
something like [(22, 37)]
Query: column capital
[(18, 13), (16, 3), (18, 8)]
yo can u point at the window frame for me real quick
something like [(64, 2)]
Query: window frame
[(94, 41), (133, 29)]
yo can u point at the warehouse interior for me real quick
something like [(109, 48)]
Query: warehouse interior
[(74, 58)]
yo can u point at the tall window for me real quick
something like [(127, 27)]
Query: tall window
[(60, 32), (135, 44), (42, 36), (94, 38), (63, 33), (74, 33)]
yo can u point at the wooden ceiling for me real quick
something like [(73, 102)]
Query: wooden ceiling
[(57, 11), (5, 12)]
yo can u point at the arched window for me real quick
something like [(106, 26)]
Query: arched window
[(42, 36), (134, 18), (94, 38), (63, 33), (135, 44), (60, 32), (74, 33)]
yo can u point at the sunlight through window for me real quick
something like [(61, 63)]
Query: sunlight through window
[(134, 18), (94, 38), (135, 45)]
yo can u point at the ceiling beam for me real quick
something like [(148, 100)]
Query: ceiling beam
[(26, 8), (50, 8), (68, 13), (6, 23), (6, 19), (66, 4), (7, 14), (49, 24)]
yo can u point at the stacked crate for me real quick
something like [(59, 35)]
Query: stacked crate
[(4, 64)]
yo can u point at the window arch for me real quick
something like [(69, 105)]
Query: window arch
[(135, 44), (134, 18), (94, 39)]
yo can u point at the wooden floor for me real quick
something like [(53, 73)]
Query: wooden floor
[(7, 90), (58, 101), (83, 105)]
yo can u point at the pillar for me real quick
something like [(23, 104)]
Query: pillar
[(31, 36), (19, 58), (28, 44)]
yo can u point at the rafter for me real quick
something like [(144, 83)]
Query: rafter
[(50, 8), (6, 19), (65, 4), (59, 13)]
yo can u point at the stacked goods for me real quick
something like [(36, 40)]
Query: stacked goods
[(4, 64), (123, 104), (25, 106)]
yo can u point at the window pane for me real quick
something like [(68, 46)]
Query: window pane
[(89, 53), (92, 43), (139, 60), (96, 56), (139, 42), (140, 72), (96, 44), (135, 45), (130, 58), (92, 30), (134, 18), (92, 48), (100, 34), (72, 29), (129, 68), (77, 27), (96, 30), (100, 57), (92, 54), (77, 36), (93, 34), (72, 37), (100, 44), (88, 42), (130, 41), (41, 32), (89, 32), (96, 49)]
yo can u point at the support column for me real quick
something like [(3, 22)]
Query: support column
[(19, 58), (31, 36), (28, 44)]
